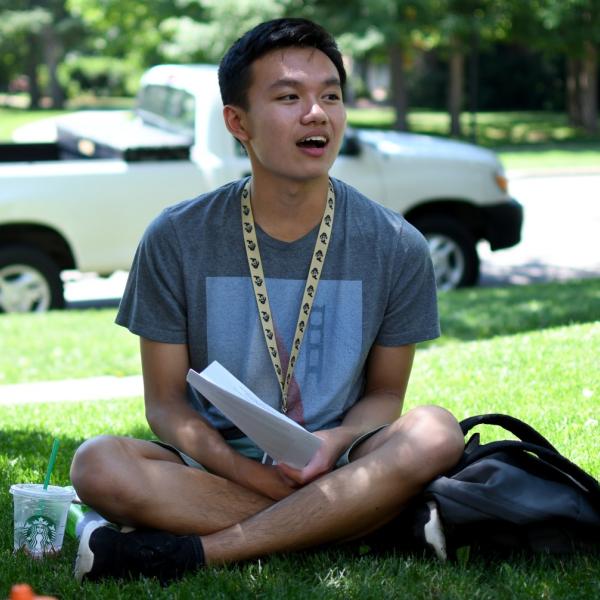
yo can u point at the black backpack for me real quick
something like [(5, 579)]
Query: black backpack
[(501, 497)]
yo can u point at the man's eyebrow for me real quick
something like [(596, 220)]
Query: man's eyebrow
[(295, 83)]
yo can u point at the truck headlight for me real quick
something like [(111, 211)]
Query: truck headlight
[(501, 182)]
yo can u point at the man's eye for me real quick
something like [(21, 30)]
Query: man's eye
[(332, 97), (288, 97)]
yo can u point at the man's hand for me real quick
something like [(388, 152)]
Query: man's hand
[(334, 443), (266, 480)]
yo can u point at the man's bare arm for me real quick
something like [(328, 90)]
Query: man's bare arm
[(174, 421), (388, 372)]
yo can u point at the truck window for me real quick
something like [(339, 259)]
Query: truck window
[(153, 99), (168, 108)]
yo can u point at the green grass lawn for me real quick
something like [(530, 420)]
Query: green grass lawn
[(531, 351), (65, 345)]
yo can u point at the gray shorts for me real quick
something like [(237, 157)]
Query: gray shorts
[(248, 448)]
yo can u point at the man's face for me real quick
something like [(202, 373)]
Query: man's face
[(296, 117)]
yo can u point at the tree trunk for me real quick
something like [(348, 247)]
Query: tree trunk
[(31, 66), (455, 89), (573, 91), (589, 88), (53, 50), (362, 73), (398, 84), (474, 83)]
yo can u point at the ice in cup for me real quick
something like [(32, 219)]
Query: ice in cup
[(40, 516)]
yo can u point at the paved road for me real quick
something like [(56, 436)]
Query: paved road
[(561, 232), (561, 240)]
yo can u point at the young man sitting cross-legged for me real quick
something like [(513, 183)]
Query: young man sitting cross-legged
[(355, 277)]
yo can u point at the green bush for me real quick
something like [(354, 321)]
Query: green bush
[(102, 75)]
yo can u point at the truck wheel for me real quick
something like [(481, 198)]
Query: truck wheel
[(29, 281), (453, 251)]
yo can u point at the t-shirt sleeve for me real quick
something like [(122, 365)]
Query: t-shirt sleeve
[(411, 315), (153, 303)]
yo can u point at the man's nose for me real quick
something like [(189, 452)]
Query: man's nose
[(314, 113)]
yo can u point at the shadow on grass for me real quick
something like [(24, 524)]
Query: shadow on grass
[(487, 312), (27, 451), (24, 455)]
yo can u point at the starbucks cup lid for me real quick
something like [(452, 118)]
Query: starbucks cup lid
[(36, 490)]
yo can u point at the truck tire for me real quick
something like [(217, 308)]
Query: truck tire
[(453, 251), (29, 280)]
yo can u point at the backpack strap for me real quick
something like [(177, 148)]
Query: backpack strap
[(522, 430), (551, 457)]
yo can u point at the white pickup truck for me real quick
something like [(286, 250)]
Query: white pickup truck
[(84, 201)]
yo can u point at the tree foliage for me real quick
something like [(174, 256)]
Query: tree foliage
[(131, 29), (224, 21), (35, 33), (36, 36), (572, 28)]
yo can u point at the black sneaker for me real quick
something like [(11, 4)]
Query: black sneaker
[(106, 552)]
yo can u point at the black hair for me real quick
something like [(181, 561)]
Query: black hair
[(235, 67)]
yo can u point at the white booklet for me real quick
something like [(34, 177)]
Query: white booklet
[(280, 437)]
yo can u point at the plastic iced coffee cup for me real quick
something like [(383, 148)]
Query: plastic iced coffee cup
[(40, 516)]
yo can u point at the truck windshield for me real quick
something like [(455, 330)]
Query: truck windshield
[(167, 107)]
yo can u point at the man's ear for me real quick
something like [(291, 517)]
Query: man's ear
[(235, 121)]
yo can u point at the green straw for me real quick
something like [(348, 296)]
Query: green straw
[(51, 462)]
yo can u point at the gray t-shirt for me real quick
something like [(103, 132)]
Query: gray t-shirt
[(190, 284)]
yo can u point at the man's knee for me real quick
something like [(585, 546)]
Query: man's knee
[(95, 465), (436, 437), (443, 423)]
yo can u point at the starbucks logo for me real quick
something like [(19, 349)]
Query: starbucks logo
[(39, 533)]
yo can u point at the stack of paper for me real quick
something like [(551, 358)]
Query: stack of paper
[(281, 438)]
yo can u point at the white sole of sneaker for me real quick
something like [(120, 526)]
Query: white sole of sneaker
[(434, 533), (85, 557)]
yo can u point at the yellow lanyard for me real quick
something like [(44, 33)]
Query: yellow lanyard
[(260, 286)]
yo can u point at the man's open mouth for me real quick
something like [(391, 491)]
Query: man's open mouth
[(313, 141)]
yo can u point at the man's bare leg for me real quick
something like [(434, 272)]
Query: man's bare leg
[(390, 468), (139, 483), (152, 488)]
